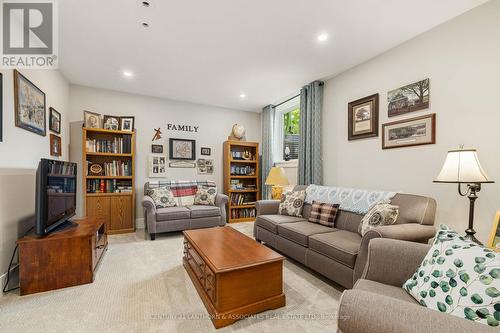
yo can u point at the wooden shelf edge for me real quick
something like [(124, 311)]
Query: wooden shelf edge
[(243, 177), (241, 206), (246, 219), (243, 161), (242, 191), (108, 154), (102, 130), (109, 194), (109, 177)]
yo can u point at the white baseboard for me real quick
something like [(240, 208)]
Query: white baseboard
[(139, 223), (13, 277)]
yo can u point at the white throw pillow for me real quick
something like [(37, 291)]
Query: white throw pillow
[(380, 214), (459, 277)]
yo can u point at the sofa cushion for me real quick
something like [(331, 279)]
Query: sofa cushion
[(271, 222), (340, 245), (172, 213), (203, 211), (299, 232), (384, 290)]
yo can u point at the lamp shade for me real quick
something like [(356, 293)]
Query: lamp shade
[(277, 177), (462, 166)]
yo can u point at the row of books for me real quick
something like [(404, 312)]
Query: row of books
[(115, 168), (242, 213), (121, 145), (108, 186), (61, 168), (240, 199), (242, 170)]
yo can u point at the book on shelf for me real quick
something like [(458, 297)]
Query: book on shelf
[(114, 168), (242, 213), (108, 186), (121, 145), (238, 199), (61, 168)]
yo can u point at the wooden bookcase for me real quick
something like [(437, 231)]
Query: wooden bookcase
[(245, 172), (110, 194)]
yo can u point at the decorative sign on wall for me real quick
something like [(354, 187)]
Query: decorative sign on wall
[(182, 128), (157, 135)]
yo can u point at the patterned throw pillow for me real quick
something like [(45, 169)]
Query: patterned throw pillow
[(380, 214), (291, 203), (205, 196), (459, 277), (162, 197), (324, 213)]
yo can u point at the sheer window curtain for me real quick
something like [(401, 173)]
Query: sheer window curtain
[(310, 169), (268, 128)]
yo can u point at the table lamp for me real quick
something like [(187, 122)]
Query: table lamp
[(277, 179), (462, 167)]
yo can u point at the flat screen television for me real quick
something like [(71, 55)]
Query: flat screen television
[(55, 194)]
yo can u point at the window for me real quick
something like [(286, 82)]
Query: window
[(291, 134), (287, 130)]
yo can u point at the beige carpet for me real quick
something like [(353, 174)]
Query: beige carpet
[(141, 286)]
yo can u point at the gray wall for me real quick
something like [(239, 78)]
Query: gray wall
[(461, 58)]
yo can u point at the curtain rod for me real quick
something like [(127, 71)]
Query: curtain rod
[(288, 100)]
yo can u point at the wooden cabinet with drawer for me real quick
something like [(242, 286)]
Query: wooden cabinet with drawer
[(116, 210)]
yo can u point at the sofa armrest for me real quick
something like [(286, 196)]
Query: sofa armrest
[(365, 312), (150, 213), (267, 207), (385, 254), (409, 232), (221, 201)]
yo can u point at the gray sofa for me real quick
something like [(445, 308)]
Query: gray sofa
[(379, 304), (340, 253), (170, 219)]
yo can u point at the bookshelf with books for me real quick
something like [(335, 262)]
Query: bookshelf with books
[(108, 177), (241, 179)]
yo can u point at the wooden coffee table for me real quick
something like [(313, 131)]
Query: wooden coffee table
[(234, 275)]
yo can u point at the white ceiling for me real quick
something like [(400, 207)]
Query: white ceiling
[(210, 52)]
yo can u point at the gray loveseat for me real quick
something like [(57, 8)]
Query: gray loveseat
[(169, 219), (379, 304), (340, 253)]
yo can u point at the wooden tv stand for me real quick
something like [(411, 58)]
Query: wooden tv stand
[(63, 258)]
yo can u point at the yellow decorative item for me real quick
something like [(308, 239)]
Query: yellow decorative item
[(277, 179), (494, 239)]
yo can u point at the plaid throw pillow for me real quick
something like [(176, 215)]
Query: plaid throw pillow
[(323, 213)]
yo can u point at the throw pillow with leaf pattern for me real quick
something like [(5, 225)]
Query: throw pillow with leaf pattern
[(162, 197), (459, 277)]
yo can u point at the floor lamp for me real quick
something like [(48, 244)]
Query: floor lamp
[(462, 167)]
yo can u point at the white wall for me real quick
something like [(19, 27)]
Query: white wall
[(20, 153), (214, 127), (461, 58)]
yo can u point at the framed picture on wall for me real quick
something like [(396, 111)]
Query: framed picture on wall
[(363, 118), (182, 149), (409, 132), (206, 151), (54, 121), (157, 166), (29, 105), (410, 98), (55, 145), (157, 149)]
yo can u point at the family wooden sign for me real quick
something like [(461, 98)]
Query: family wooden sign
[(182, 128)]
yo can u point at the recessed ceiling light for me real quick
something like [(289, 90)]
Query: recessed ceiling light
[(145, 3), (128, 73), (145, 25), (243, 95), (322, 37)]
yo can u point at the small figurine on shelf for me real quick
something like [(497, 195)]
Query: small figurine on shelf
[(247, 155)]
